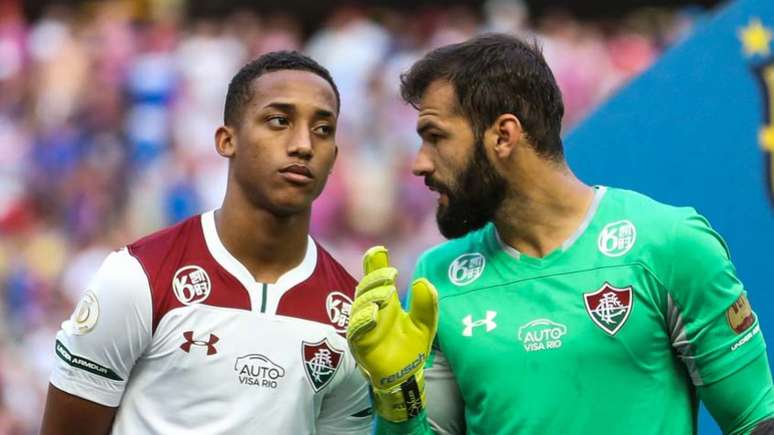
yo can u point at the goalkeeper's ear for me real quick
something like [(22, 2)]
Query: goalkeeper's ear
[(423, 308)]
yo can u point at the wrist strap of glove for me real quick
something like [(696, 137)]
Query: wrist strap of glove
[(403, 401)]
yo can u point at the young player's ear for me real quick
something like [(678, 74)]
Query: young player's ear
[(225, 141), (506, 133)]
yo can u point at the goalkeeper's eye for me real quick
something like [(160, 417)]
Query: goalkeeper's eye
[(434, 137)]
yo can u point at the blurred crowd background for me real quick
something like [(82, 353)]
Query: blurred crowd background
[(108, 111)]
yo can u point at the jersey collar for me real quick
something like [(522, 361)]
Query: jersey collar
[(219, 252)]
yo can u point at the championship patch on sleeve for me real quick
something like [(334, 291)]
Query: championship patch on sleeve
[(740, 315), (86, 314)]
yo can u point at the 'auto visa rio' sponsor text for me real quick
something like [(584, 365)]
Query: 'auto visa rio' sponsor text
[(541, 334), (258, 370)]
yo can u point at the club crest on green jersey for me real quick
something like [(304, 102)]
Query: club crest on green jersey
[(609, 307), (466, 268)]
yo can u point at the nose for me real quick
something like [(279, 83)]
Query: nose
[(423, 164), (301, 143)]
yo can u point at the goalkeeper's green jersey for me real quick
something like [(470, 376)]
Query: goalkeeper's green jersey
[(607, 334)]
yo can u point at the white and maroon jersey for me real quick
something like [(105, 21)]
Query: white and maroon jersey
[(177, 333)]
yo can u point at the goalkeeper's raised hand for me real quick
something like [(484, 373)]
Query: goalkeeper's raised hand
[(389, 344)]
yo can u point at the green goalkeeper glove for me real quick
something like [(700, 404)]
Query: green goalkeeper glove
[(390, 345)]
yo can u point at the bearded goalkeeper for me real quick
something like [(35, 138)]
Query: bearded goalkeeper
[(560, 307)]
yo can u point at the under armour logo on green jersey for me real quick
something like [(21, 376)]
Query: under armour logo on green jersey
[(470, 324)]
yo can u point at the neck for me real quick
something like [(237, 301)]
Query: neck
[(266, 244), (545, 205)]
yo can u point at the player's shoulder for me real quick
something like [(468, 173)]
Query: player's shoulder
[(659, 231), (120, 281), (655, 222), (643, 206), (166, 238), (166, 247)]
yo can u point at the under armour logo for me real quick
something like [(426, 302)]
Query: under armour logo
[(189, 341), (470, 324)]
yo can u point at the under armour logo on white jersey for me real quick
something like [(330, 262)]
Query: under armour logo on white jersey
[(470, 324)]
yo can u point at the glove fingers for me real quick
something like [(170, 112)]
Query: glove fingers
[(375, 258), (384, 276), (373, 317), (362, 320), (424, 305), (378, 296)]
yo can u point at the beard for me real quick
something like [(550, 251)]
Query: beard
[(474, 197)]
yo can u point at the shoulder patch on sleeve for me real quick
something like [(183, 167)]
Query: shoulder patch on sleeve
[(740, 315), (85, 315)]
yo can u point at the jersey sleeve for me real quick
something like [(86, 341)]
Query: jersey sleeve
[(110, 328), (346, 408), (713, 329), (740, 402), (445, 408)]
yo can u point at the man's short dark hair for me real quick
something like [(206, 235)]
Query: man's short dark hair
[(239, 92), (493, 74)]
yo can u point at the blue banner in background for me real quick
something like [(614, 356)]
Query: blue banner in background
[(697, 129)]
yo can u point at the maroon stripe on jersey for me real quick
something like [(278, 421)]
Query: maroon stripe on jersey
[(179, 253), (325, 297)]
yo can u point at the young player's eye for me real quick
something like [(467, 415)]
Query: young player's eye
[(278, 121), (324, 130)]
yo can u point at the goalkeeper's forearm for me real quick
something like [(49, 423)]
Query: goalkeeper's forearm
[(417, 425)]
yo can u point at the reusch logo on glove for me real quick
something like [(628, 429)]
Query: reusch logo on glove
[(387, 380)]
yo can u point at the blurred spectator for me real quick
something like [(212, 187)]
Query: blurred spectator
[(107, 117)]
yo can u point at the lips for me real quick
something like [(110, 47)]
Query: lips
[(297, 173), (435, 187), (298, 169)]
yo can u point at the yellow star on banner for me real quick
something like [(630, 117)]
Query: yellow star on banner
[(766, 138), (755, 38)]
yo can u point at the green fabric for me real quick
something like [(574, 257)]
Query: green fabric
[(415, 426), (738, 402), (532, 356)]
